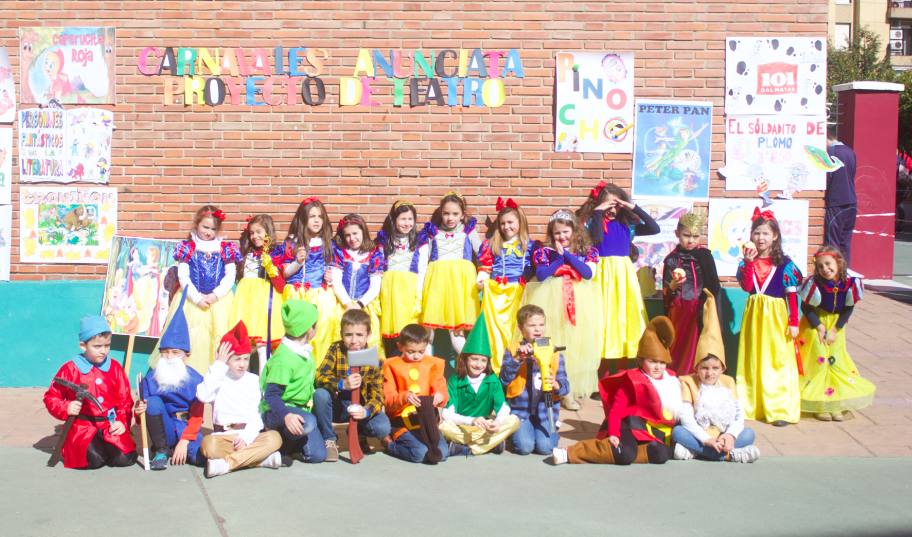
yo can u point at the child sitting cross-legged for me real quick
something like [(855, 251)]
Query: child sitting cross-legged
[(475, 396), (336, 383), (712, 423), (239, 440)]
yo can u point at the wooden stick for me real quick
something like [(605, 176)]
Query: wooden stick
[(354, 446), (142, 424), (128, 359)]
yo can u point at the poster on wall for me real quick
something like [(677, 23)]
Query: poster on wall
[(66, 224), (775, 75), (65, 146), (137, 290), (594, 102), (730, 226), (774, 153), (671, 152), (653, 248), (6, 240), (7, 89), (6, 165), (73, 65)]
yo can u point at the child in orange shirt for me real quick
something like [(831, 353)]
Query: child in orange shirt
[(413, 389)]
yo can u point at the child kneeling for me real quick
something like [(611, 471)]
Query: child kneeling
[(335, 381), (413, 389), (475, 394), (239, 440), (641, 406), (712, 423)]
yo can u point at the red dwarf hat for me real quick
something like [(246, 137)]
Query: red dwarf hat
[(238, 339)]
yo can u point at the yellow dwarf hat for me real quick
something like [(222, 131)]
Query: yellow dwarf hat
[(711, 337)]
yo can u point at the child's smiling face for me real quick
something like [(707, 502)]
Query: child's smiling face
[(827, 267), (562, 234), (509, 225), (257, 235), (451, 215), (405, 223), (476, 365), (354, 237)]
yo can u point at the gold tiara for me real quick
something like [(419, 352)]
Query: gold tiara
[(454, 193), (402, 203)]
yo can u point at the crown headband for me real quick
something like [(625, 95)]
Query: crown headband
[(454, 194), (402, 203), (561, 214)]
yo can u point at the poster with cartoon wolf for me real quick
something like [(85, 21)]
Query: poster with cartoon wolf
[(137, 293), (66, 224), (74, 65), (671, 151), (730, 228)]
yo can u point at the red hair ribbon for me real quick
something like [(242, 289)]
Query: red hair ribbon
[(505, 203), (248, 219), (569, 275), (834, 255), (342, 223), (597, 191), (218, 214), (766, 215), (311, 199)]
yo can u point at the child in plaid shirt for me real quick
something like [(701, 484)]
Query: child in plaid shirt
[(335, 382)]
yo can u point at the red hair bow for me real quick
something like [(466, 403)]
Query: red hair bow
[(597, 191), (342, 223), (766, 215), (218, 214), (311, 199), (248, 219), (504, 203)]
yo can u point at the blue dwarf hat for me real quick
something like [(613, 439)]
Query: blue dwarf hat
[(177, 335), (92, 325)]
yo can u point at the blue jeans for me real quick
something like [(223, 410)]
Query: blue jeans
[(682, 436), (533, 437), (310, 444), (408, 448), (329, 410), (174, 428)]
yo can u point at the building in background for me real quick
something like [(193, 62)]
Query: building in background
[(890, 20)]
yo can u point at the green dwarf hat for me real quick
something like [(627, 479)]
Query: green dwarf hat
[(477, 341)]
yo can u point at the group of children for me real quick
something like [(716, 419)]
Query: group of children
[(308, 301)]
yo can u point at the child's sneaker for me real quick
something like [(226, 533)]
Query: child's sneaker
[(745, 454), (681, 453), (499, 448), (824, 416), (458, 450), (568, 402), (848, 415), (332, 451), (216, 467), (272, 461), (159, 461), (559, 456), (837, 416)]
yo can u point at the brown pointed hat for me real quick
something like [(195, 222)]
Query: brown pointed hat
[(656, 340), (710, 342)]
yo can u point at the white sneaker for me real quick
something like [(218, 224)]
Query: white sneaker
[(745, 454), (559, 455), (272, 461), (216, 467), (681, 453)]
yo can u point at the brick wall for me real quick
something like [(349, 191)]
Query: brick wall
[(167, 161)]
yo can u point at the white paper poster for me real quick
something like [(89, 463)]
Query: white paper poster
[(6, 240), (730, 227), (66, 224), (773, 75), (65, 146), (6, 165), (780, 150), (594, 102), (7, 89)]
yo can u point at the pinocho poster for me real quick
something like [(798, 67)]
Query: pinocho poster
[(730, 229), (775, 75), (74, 65), (66, 224), (671, 154), (137, 293), (594, 102)]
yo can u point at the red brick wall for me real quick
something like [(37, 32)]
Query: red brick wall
[(167, 161)]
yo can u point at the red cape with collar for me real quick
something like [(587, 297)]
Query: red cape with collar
[(629, 393)]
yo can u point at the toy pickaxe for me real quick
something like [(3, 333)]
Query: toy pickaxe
[(82, 392)]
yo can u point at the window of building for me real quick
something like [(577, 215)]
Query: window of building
[(842, 36)]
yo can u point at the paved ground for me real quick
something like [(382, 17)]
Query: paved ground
[(815, 478)]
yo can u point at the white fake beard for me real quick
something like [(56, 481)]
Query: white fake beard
[(170, 374)]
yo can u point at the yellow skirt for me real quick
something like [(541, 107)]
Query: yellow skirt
[(373, 311), (622, 307), (329, 316), (831, 382), (582, 340), (450, 298), (500, 302), (206, 327), (767, 375), (251, 305), (399, 304)]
